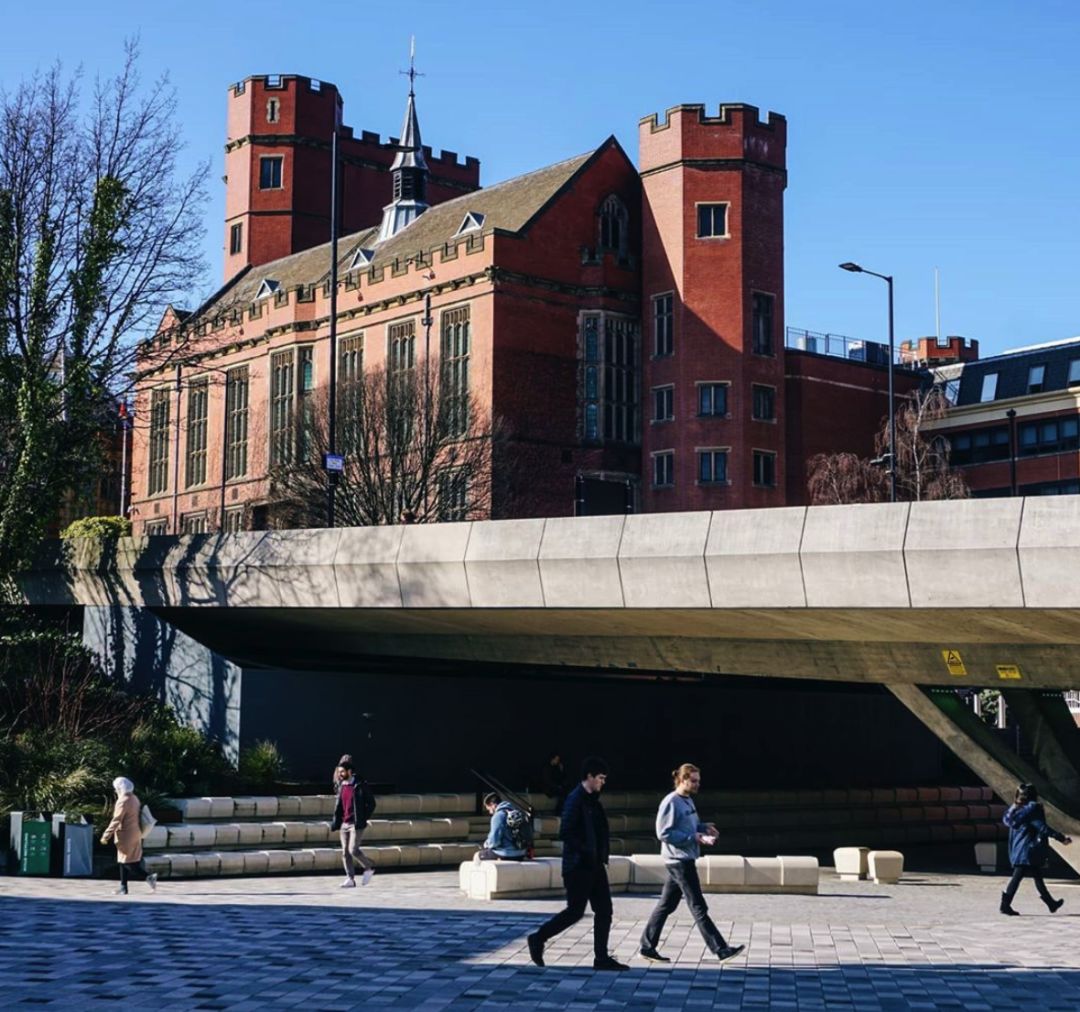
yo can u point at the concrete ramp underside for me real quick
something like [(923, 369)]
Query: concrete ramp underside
[(972, 592)]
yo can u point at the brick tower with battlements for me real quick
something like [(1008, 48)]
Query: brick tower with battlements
[(277, 170), (712, 308)]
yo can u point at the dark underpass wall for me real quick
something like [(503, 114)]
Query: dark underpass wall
[(425, 732)]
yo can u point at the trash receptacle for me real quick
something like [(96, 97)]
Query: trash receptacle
[(73, 845), (30, 840)]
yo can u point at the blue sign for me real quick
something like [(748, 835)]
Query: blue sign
[(333, 462)]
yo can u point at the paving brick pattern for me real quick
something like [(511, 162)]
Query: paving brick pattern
[(410, 941)]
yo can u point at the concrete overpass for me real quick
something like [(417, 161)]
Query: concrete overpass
[(910, 595)]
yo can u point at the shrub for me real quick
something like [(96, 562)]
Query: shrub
[(101, 528), (261, 765)]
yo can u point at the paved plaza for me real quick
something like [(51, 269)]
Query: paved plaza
[(412, 941)]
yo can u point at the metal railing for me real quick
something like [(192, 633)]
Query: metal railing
[(838, 346)]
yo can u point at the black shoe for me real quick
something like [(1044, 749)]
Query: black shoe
[(1006, 907), (536, 950), (728, 951), (1054, 905), (608, 963), (653, 956)]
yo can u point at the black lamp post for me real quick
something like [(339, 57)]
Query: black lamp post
[(887, 278)]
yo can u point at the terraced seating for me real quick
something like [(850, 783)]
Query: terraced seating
[(719, 873), (288, 834)]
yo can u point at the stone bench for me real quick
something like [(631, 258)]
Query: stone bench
[(719, 873), (885, 866)]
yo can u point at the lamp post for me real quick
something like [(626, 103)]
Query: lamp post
[(887, 278)]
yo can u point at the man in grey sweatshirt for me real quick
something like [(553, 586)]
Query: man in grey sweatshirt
[(681, 834)]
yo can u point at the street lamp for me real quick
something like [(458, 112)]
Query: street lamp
[(887, 278)]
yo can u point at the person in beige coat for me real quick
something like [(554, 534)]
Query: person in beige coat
[(124, 829)]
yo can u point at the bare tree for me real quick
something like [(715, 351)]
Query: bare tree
[(923, 470), (416, 449), (97, 232), (835, 478)]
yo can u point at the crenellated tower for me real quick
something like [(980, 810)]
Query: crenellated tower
[(713, 308), (277, 169)]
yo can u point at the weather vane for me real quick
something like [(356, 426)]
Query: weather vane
[(412, 73)]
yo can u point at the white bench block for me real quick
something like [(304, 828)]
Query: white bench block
[(379, 829), (193, 808), (243, 808), (649, 869), (722, 872), (203, 835), (851, 863), (178, 835), (389, 804), (986, 856), (157, 838), (410, 855), (207, 862), (220, 808), (319, 832), (248, 833), (429, 853), (619, 873), (273, 832), (763, 871), (289, 806), (278, 861), (324, 858), (255, 862), (265, 808), (226, 834), (302, 860), (885, 866), (158, 864), (181, 865), (295, 832), (232, 862), (311, 805), (799, 874)]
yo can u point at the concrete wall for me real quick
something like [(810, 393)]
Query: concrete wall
[(202, 687), (424, 732)]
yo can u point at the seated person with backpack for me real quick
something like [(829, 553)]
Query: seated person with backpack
[(510, 835)]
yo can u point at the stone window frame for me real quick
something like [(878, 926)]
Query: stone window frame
[(157, 473), (712, 451), (712, 385), (769, 391), (712, 205), (668, 318), (196, 432), (758, 453), (667, 455), (268, 159), (667, 390)]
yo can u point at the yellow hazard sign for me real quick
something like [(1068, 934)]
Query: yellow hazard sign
[(954, 662), (1009, 671)]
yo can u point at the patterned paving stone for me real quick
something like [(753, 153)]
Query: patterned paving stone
[(410, 941)]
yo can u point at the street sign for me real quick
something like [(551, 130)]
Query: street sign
[(1009, 671), (333, 462), (954, 662)]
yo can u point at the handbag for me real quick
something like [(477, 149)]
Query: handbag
[(146, 821)]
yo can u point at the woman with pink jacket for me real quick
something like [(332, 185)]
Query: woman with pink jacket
[(126, 832)]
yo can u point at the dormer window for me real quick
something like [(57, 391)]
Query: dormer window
[(614, 220), (268, 287), (272, 110), (472, 222), (361, 258)]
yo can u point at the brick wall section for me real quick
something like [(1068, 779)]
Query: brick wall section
[(736, 159), (834, 405)]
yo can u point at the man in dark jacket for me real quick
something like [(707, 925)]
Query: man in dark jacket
[(351, 810), (586, 847), (1028, 847)]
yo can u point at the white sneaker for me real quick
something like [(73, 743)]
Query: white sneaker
[(349, 883), (368, 875), (151, 881)]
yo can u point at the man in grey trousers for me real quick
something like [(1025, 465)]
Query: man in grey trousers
[(681, 835)]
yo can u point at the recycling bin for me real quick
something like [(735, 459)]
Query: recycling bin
[(30, 843), (73, 846)]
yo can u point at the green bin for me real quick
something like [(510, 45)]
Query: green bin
[(31, 839)]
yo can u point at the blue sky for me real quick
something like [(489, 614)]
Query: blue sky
[(921, 135)]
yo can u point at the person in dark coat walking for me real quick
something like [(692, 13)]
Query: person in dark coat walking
[(1028, 847), (586, 847)]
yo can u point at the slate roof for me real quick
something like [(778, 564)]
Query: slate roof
[(509, 206), (1013, 370)]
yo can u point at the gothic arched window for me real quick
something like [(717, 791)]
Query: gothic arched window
[(614, 220)]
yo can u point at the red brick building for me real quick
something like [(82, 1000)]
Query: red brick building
[(625, 323)]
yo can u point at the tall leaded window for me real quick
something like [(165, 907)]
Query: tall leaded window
[(614, 223), (158, 478), (663, 325), (454, 495), (455, 369), (282, 404), (305, 395), (350, 375), (402, 346), (198, 397), (761, 324), (236, 422), (609, 381)]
